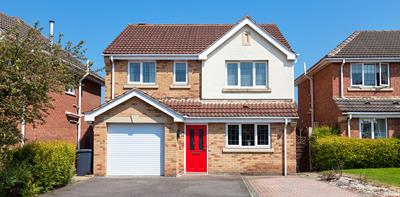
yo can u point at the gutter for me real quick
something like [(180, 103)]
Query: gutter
[(80, 115), (311, 94), (285, 147)]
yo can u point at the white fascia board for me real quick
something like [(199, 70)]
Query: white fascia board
[(90, 116), (290, 55), (237, 119), (373, 114), (153, 56)]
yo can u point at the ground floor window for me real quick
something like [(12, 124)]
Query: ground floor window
[(248, 135), (373, 128)]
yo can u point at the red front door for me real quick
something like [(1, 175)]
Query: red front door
[(196, 148)]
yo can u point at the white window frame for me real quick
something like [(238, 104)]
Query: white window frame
[(141, 73), (254, 74), (372, 127), (377, 65), (70, 91), (255, 136), (187, 73)]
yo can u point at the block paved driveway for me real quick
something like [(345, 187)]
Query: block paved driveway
[(185, 186), (293, 186)]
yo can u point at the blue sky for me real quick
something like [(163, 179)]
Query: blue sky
[(312, 27)]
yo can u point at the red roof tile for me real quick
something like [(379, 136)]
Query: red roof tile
[(176, 38), (224, 108)]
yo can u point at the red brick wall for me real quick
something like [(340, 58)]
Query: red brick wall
[(57, 126), (304, 105)]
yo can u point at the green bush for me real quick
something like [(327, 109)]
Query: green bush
[(37, 167), (324, 131), (333, 152)]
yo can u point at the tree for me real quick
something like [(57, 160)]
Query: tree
[(31, 67)]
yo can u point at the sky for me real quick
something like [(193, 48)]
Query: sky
[(312, 27)]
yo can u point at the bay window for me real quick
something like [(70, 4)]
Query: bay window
[(369, 74), (142, 72), (247, 74), (373, 128), (248, 135)]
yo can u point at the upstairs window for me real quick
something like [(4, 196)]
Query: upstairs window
[(370, 74), (142, 72), (180, 73), (70, 89), (247, 74)]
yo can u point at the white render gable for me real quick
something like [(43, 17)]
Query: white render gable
[(280, 69)]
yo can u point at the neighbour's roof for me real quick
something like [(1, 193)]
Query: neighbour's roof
[(369, 44), (368, 104), (7, 23), (176, 38), (231, 108)]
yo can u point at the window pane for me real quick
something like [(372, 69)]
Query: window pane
[(232, 74), (262, 135), (384, 74), (246, 74), (356, 74), (366, 129), (200, 139), (149, 72), (247, 135), (191, 138), (369, 74), (261, 74), (134, 72), (380, 128), (180, 72), (233, 134)]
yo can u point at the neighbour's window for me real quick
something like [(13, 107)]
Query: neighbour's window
[(373, 128), (70, 89), (180, 73), (248, 135), (370, 74), (247, 74), (142, 72)]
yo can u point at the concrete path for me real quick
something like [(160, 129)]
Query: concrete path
[(290, 186), (194, 185)]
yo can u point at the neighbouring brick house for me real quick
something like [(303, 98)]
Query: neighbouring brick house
[(196, 98), (355, 87), (62, 119)]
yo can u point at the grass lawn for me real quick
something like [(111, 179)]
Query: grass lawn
[(389, 176)]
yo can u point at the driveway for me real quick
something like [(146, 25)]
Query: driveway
[(290, 186), (194, 185)]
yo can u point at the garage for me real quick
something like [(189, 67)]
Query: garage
[(135, 149)]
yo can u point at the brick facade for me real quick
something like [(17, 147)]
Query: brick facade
[(164, 80), (58, 126), (327, 87)]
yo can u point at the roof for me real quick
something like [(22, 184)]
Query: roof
[(193, 108), (232, 108), (7, 23), (369, 44), (368, 104), (362, 44), (177, 38)]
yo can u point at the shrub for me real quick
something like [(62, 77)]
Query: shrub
[(334, 152), (37, 167), (324, 131)]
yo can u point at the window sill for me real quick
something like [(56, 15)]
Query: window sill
[(179, 86), (241, 90), (247, 150), (70, 94), (368, 89), (142, 86)]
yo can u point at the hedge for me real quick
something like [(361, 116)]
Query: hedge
[(36, 168), (335, 152)]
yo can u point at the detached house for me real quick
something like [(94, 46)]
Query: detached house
[(355, 87), (196, 98)]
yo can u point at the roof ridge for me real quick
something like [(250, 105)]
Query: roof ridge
[(188, 24), (344, 43)]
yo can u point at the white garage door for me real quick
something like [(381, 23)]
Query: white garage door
[(135, 149)]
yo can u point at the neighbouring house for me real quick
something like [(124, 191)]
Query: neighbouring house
[(355, 87), (197, 98), (62, 120)]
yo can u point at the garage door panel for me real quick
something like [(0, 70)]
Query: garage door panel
[(135, 149)]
